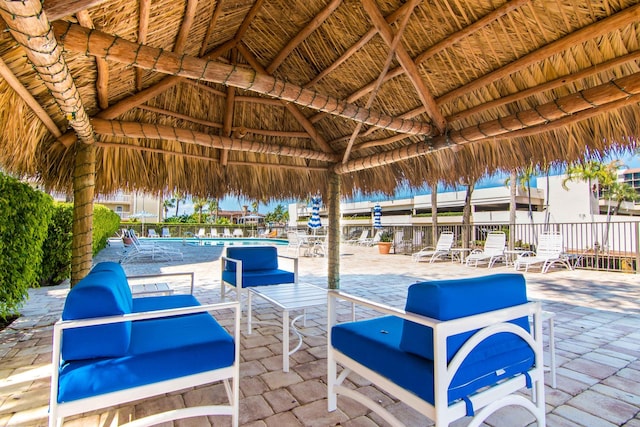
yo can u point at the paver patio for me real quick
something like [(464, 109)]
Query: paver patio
[(597, 330)]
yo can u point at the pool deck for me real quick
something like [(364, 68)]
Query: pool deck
[(597, 332)]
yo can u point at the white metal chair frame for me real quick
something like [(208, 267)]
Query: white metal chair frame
[(549, 252), (485, 402), (493, 250), (443, 248), (229, 375)]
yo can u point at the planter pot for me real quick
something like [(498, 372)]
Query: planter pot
[(127, 241), (384, 247)]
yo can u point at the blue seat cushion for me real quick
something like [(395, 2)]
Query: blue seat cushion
[(375, 344), (99, 294), (160, 349), (254, 258), (452, 299), (259, 277)]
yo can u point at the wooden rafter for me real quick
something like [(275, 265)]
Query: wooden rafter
[(185, 28), (561, 112), (297, 114), (246, 22), (229, 105), (102, 68), (117, 49), (410, 68), (143, 27), (58, 9), (26, 96), (168, 133), (212, 24), (313, 25), (392, 51), (207, 159)]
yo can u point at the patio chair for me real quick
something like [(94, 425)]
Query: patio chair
[(151, 250), (213, 232), (461, 347), (443, 248), (166, 232), (371, 242), (296, 243), (238, 233), (227, 233), (493, 250), (549, 252), (356, 241), (201, 234), (152, 233)]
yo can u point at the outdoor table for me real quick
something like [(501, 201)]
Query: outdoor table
[(289, 297), (459, 254), (510, 255)]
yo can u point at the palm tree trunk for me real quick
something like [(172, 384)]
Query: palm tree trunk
[(513, 186)]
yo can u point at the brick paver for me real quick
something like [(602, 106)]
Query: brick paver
[(597, 342)]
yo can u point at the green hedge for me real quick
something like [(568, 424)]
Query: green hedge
[(23, 229), (56, 266)]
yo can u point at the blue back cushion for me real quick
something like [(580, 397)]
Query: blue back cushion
[(119, 276), (100, 293), (253, 258), (452, 299)]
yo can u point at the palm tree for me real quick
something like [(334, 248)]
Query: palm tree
[(254, 206), (178, 197), (470, 183), (198, 205), (168, 204), (521, 177), (213, 209), (620, 192), (511, 183)]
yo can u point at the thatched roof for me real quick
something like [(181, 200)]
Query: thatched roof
[(267, 98)]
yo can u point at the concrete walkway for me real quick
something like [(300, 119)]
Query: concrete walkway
[(597, 331)]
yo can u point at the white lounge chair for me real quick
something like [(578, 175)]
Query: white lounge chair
[(152, 233), (214, 232), (166, 232), (227, 233), (362, 238), (201, 234), (443, 248), (296, 243), (370, 242), (550, 251), (493, 250), (238, 233), (151, 250)]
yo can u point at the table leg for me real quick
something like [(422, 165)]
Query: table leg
[(249, 312), (285, 341)]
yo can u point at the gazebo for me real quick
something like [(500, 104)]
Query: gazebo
[(287, 98)]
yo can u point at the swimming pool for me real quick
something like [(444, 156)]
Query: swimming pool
[(221, 241)]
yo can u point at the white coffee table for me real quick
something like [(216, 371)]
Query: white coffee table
[(288, 297)]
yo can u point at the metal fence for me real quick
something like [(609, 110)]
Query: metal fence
[(612, 246)]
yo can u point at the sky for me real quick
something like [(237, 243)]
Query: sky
[(235, 204)]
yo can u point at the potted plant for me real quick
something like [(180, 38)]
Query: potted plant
[(384, 245)]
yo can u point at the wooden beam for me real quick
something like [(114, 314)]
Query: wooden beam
[(168, 133), (180, 116), (205, 88), (185, 28), (246, 22), (597, 29), (102, 68), (228, 117), (392, 50), (313, 25), (356, 47), (143, 28), (26, 96), (446, 43), (33, 32), (124, 146), (550, 85), (212, 24), (293, 110), (58, 9), (410, 68), (586, 103)]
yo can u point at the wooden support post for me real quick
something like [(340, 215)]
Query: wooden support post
[(83, 193), (333, 202)]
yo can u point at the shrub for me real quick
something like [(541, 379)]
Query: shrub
[(26, 213), (56, 265)]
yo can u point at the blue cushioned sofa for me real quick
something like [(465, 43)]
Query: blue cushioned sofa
[(461, 347), (110, 348)]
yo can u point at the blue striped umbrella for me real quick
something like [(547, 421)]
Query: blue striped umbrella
[(377, 216), (314, 221)]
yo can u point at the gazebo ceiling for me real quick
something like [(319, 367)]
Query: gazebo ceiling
[(268, 98)]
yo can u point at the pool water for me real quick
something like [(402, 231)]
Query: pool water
[(219, 241)]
